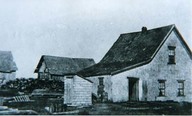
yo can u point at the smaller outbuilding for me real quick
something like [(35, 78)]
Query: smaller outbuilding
[(77, 90), (56, 68)]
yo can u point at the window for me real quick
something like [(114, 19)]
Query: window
[(100, 80), (171, 55), (180, 87), (161, 87), (51, 77), (69, 77)]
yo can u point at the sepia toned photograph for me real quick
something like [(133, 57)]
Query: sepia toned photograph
[(95, 57)]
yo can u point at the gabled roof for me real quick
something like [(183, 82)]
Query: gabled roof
[(64, 65), (7, 64), (131, 50)]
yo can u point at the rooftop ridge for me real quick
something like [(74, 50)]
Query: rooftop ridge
[(63, 57), (147, 29)]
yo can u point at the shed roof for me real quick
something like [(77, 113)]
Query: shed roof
[(7, 64), (131, 50), (64, 65)]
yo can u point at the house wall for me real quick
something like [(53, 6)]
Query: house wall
[(68, 90), (157, 69), (5, 77), (120, 86), (42, 68), (42, 74), (181, 71), (77, 91), (119, 89)]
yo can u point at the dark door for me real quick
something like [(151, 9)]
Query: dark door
[(133, 89), (100, 91)]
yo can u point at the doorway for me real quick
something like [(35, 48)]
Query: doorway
[(133, 89)]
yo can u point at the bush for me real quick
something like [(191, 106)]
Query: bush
[(28, 85)]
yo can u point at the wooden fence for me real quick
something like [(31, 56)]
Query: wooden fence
[(23, 98)]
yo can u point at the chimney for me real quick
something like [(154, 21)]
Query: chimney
[(144, 29)]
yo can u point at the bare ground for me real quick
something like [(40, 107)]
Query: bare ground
[(126, 108), (139, 108)]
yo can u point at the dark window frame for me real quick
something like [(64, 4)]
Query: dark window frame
[(162, 87), (171, 59), (181, 91), (101, 80), (69, 77)]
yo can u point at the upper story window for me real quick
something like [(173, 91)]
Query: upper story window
[(180, 87), (161, 87), (171, 55)]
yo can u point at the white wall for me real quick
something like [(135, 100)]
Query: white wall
[(77, 91), (82, 91)]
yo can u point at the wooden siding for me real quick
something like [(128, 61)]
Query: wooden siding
[(44, 74), (41, 73), (77, 91)]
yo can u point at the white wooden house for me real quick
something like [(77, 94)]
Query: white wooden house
[(148, 65)]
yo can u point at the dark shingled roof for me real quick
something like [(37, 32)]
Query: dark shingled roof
[(129, 51), (7, 64), (63, 65)]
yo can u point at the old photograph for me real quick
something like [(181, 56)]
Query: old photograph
[(95, 57)]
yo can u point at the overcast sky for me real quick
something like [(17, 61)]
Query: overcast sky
[(81, 28)]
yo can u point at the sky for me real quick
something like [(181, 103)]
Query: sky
[(81, 28)]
